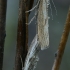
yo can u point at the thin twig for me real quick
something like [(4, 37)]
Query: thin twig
[(3, 5), (62, 44)]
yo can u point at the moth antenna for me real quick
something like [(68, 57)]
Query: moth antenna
[(51, 11), (33, 7), (54, 6)]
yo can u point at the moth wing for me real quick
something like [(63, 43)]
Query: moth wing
[(43, 34)]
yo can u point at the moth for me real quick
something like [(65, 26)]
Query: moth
[(42, 24), (41, 40)]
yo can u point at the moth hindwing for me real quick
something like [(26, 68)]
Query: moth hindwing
[(42, 20)]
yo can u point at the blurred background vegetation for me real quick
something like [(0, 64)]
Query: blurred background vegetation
[(55, 31)]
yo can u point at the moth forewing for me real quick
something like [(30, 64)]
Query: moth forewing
[(42, 20)]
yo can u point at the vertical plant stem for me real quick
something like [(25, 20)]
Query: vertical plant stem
[(31, 4), (22, 36), (62, 44), (3, 4)]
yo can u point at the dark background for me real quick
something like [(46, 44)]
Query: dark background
[(55, 31)]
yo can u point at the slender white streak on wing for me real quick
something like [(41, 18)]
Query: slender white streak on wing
[(44, 9), (45, 43), (46, 31), (32, 58)]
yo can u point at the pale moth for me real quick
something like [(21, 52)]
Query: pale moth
[(41, 40), (42, 22)]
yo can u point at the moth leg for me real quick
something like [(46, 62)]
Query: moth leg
[(21, 60), (33, 7), (36, 11), (32, 18)]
